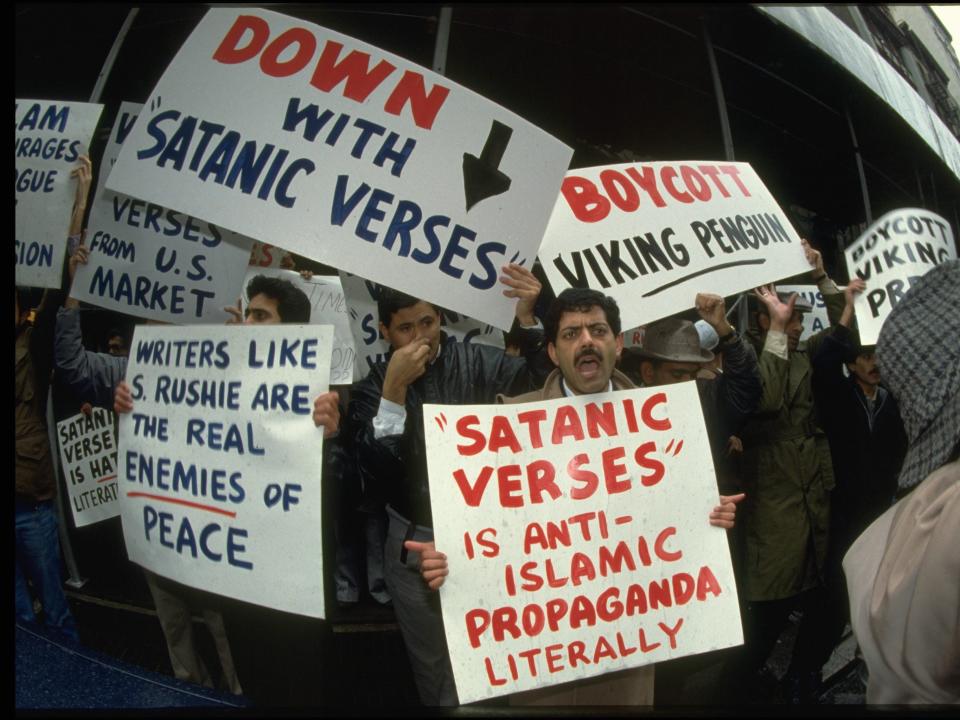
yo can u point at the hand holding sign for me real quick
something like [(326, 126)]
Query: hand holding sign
[(433, 563), (84, 174), (814, 258), (524, 286), (326, 413), (122, 399), (725, 514)]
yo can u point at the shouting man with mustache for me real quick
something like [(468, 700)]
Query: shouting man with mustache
[(582, 330)]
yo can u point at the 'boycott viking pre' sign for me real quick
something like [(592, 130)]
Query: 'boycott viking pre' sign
[(654, 235), (577, 537), (152, 262), (50, 137), (342, 152), (892, 254), (220, 460), (88, 453)]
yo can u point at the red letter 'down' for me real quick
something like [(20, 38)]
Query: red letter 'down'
[(229, 51)]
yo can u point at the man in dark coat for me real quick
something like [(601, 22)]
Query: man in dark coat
[(867, 445), (385, 420)]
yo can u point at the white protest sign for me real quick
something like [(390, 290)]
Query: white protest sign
[(816, 319), (327, 307), (371, 347), (270, 256), (355, 157), (50, 137), (891, 255), (148, 261), (652, 236), (220, 461), (577, 536), (88, 453)]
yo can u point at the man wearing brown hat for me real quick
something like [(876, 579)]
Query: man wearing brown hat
[(903, 573), (788, 477)]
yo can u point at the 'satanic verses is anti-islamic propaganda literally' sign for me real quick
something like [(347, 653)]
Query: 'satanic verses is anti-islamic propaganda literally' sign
[(297, 135), (577, 537), (220, 461), (653, 235)]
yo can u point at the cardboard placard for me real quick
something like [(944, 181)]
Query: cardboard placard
[(88, 454), (50, 136), (892, 254), (152, 262), (577, 537), (355, 157), (220, 461), (654, 235)]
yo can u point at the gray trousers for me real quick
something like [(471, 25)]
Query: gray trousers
[(175, 612), (417, 608)]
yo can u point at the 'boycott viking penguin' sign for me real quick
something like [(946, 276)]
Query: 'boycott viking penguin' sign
[(152, 262), (892, 254), (88, 453), (347, 154), (220, 460), (577, 537), (654, 235), (50, 137)]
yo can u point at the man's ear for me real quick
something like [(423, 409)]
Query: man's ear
[(552, 352), (383, 332), (619, 346)]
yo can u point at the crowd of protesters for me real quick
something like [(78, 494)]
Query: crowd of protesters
[(813, 438)]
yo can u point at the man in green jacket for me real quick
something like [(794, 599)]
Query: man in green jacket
[(787, 477)]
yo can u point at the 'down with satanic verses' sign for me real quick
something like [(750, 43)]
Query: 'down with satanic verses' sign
[(152, 262), (654, 235), (50, 137), (577, 536), (88, 454), (891, 255), (344, 153), (219, 462)]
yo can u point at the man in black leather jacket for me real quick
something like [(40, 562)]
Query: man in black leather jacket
[(385, 420)]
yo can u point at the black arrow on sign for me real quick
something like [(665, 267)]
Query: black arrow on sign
[(481, 176)]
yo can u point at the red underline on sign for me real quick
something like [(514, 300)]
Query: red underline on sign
[(108, 477), (177, 501)]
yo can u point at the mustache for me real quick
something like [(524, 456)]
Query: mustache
[(588, 352)]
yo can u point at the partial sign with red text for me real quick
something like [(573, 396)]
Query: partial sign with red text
[(578, 539), (654, 235), (88, 455), (347, 154)]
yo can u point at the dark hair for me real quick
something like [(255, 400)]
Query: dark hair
[(391, 301), (293, 306), (115, 331), (580, 300)]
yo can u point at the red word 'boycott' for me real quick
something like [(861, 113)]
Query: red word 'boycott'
[(589, 204)]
